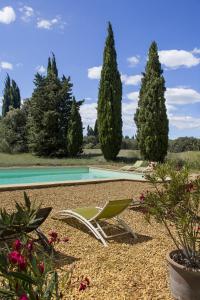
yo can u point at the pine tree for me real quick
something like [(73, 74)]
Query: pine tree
[(151, 116), (50, 110), (75, 131), (38, 105), (109, 101), (6, 96)]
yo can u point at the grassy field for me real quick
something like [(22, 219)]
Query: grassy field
[(94, 157)]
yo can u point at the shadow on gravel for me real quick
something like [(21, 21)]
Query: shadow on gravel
[(123, 239), (61, 259)]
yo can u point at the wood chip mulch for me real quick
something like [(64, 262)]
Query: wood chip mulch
[(127, 269)]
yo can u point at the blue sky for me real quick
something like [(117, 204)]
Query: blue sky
[(76, 30)]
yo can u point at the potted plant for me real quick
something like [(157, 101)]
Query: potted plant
[(174, 201)]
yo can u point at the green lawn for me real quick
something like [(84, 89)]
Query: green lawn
[(94, 157), (89, 157)]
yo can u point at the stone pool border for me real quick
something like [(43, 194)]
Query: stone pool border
[(14, 187)]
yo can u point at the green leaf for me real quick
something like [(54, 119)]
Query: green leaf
[(27, 201), (51, 286), (7, 294), (23, 277)]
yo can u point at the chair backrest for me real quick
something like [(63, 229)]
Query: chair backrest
[(138, 163), (113, 208)]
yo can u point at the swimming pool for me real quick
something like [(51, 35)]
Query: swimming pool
[(53, 175)]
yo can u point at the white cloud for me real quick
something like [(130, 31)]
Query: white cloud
[(41, 69), (133, 60), (131, 80), (196, 51), (6, 65), (178, 58), (27, 13), (133, 96), (174, 96), (94, 72), (128, 111), (88, 114), (47, 24), (184, 122), (7, 15), (170, 108), (181, 96)]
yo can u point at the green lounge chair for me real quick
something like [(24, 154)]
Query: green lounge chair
[(136, 165), (91, 217)]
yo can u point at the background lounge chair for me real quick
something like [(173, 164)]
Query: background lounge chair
[(91, 217), (151, 166), (136, 165)]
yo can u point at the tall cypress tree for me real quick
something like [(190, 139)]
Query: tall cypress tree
[(6, 96), (49, 66), (15, 95), (109, 101), (11, 96), (151, 116), (96, 131), (54, 66), (75, 131)]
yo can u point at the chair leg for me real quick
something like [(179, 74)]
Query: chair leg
[(87, 223), (123, 224)]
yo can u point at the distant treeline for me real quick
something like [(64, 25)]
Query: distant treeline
[(183, 144), (180, 144)]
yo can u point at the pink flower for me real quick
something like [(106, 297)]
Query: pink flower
[(29, 246), (142, 197), (53, 234), (41, 267), (82, 286), (17, 245), (51, 241), (14, 257), (23, 297), (22, 263)]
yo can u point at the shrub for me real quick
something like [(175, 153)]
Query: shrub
[(26, 271), (176, 205), (13, 131)]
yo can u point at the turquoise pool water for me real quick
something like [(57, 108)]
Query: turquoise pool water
[(55, 174)]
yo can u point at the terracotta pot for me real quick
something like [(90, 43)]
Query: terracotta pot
[(185, 284)]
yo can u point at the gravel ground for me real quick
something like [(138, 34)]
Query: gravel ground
[(127, 269)]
